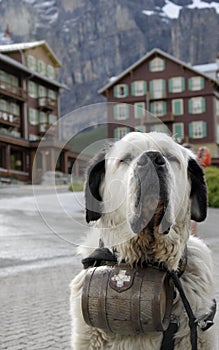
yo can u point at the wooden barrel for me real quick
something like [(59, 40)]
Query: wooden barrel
[(122, 300)]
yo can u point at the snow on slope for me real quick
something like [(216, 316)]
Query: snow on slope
[(172, 10)]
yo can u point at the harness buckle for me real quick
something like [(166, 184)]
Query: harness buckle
[(203, 322)]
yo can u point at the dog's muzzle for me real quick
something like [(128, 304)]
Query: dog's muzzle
[(152, 197)]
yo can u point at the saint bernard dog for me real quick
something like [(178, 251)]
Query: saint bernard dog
[(140, 195)]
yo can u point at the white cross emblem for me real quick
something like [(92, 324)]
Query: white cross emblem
[(121, 278)]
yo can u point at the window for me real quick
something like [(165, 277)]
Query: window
[(158, 108), (120, 132), (139, 110), (33, 137), (41, 67), (121, 111), (41, 91), (2, 157), (196, 83), (157, 64), (4, 106), (177, 107), (158, 88), (14, 109), (120, 90), (16, 160), (52, 95), (43, 118), (31, 62), (52, 119), (2, 79), (217, 107), (197, 105), (32, 89), (159, 128), (197, 130), (50, 72), (178, 131), (176, 84), (139, 88), (140, 128), (33, 116)]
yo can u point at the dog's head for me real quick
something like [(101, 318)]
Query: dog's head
[(148, 181)]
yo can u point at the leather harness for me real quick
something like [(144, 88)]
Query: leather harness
[(103, 256)]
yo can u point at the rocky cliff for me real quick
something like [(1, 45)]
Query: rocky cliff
[(97, 39)]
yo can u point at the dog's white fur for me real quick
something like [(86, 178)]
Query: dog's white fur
[(117, 188)]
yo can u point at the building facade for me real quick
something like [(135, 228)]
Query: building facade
[(29, 112), (184, 100)]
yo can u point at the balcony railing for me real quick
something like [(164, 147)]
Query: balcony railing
[(47, 103), (12, 91), (9, 119)]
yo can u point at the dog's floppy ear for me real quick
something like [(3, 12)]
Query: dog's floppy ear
[(198, 191), (93, 198)]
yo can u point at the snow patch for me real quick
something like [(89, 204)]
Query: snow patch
[(171, 10), (201, 4)]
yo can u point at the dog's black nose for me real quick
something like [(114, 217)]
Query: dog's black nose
[(155, 157)]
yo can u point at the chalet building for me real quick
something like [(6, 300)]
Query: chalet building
[(29, 106), (185, 99)]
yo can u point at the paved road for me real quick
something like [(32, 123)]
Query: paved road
[(37, 262)]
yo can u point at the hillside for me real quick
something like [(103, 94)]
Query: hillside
[(98, 39)]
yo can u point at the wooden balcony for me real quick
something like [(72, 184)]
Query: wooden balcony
[(9, 119), (14, 91), (47, 104)]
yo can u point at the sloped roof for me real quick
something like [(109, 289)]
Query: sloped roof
[(22, 67), (143, 59), (30, 45)]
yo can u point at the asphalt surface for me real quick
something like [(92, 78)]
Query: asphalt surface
[(38, 238)]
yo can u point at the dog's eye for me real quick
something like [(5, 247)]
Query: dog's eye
[(172, 158), (126, 160)]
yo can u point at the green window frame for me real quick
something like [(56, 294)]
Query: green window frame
[(196, 83), (177, 107), (176, 84), (120, 90), (178, 131), (158, 108), (139, 110), (197, 130), (120, 132), (197, 105), (139, 88)]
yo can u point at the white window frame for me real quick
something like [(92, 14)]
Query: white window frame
[(53, 119), (159, 110), (33, 116), (197, 127), (122, 111), (43, 118), (41, 67), (139, 88), (158, 89), (139, 110), (157, 64), (32, 89), (121, 132), (197, 107), (50, 72), (121, 90), (196, 83), (177, 85), (31, 62)]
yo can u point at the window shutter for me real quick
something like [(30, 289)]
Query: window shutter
[(163, 87), (127, 130), (170, 85), (115, 91), (115, 131), (183, 84), (178, 128), (190, 130), (115, 112), (202, 82), (204, 129), (133, 89), (127, 111), (145, 87), (151, 89), (164, 108), (126, 90), (190, 84), (152, 107), (190, 106), (203, 105)]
